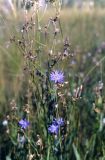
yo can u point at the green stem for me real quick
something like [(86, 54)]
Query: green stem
[(48, 151), (60, 141)]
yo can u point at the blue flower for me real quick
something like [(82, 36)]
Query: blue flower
[(57, 76), (59, 121), (53, 129), (24, 123), (55, 126)]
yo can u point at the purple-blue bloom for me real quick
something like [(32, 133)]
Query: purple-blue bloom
[(59, 122), (53, 129), (24, 123), (55, 126), (57, 76)]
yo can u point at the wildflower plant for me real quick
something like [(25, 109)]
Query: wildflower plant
[(31, 126)]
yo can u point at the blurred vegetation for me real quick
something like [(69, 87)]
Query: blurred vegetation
[(84, 133), (84, 28)]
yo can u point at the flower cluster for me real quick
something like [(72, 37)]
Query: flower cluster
[(55, 126)]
